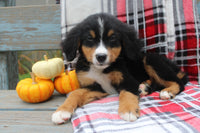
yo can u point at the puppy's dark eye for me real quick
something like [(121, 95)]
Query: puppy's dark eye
[(90, 38), (113, 38)]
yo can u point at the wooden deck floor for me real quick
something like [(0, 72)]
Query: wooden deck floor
[(17, 116)]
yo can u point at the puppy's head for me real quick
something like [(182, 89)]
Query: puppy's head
[(101, 39)]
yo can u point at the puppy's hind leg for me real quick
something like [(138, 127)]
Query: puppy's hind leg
[(162, 71), (174, 88), (171, 90), (76, 99)]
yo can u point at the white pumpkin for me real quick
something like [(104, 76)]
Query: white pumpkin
[(49, 68)]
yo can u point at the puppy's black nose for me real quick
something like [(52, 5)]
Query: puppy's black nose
[(101, 57)]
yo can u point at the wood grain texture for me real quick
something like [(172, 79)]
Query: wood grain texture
[(12, 69), (3, 70), (4, 3), (9, 101), (34, 2), (30, 122), (17, 116), (9, 70), (30, 28)]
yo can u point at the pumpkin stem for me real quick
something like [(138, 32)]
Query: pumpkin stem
[(66, 72), (45, 57), (33, 78)]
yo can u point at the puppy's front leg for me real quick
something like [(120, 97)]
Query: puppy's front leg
[(76, 99), (128, 106)]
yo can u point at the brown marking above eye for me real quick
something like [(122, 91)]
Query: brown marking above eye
[(88, 52), (92, 33), (110, 32), (114, 53)]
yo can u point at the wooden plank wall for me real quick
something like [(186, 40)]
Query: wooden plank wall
[(34, 2), (4, 3), (30, 27), (8, 70)]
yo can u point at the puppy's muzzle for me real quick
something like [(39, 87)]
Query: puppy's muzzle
[(101, 58)]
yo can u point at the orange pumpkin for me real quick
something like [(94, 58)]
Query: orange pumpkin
[(66, 83), (35, 90)]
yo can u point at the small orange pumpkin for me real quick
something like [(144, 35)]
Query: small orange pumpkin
[(66, 82), (35, 90)]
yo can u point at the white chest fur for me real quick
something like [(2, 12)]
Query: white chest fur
[(101, 79)]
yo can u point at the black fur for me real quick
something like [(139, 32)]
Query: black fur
[(130, 61)]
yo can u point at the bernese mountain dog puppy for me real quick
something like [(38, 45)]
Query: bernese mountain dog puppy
[(111, 61)]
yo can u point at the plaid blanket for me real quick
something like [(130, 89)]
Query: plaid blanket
[(169, 27), (180, 115)]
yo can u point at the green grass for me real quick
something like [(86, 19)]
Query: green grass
[(23, 76), (27, 75)]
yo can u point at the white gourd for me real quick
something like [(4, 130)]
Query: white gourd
[(49, 68)]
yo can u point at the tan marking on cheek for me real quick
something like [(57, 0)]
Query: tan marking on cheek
[(88, 52), (110, 32), (114, 53), (116, 77), (83, 79), (92, 33)]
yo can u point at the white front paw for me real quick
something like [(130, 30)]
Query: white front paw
[(128, 116), (60, 117), (164, 95)]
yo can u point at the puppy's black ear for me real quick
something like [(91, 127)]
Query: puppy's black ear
[(132, 45), (71, 44)]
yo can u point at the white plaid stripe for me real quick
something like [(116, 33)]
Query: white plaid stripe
[(63, 19), (181, 56), (162, 122), (71, 15), (68, 20), (197, 26), (143, 24), (136, 16), (170, 26)]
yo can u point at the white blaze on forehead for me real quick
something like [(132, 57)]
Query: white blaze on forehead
[(101, 26), (101, 49)]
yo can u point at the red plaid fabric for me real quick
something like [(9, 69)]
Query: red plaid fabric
[(148, 18), (168, 27), (187, 30), (180, 115)]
